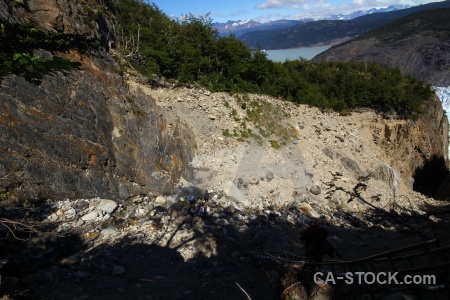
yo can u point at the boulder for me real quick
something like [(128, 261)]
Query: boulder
[(171, 200), (269, 176), (90, 216), (108, 206), (160, 200), (315, 189)]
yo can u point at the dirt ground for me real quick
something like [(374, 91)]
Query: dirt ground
[(222, 267)]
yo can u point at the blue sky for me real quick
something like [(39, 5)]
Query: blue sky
[(266, 10)]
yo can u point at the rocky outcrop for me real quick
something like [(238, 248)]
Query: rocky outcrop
[(70, 17), (84, 132), (87, 134), (412, 144), (93, 133)]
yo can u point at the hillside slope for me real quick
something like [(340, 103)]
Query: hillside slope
[(418, 44), (319, 33), (96, 166)]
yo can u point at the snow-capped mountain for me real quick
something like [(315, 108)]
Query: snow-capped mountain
[(360, 13), (239, 27)]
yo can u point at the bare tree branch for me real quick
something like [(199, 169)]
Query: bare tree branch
[(248, 297)]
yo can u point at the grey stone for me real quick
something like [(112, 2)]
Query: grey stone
[(315, 189), (331, 153), (387, 174), (160, 200), (171, 200), (351, 165), (53, 217), (82, 205), (71, 211), (109, 232), (90, 216), (79, 223), (108, 206), (340, 137)]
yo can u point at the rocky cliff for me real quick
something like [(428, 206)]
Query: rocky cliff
[(272, 168), (93, 131), (412, 146), (85, 132)]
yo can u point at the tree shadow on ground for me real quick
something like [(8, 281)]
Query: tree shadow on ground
[(29, 244), (193, 258)]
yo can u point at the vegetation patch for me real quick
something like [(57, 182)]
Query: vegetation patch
[(22, 57), (190, 51), (262, 120)]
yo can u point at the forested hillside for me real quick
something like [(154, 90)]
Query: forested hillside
[(417, 44), (190, 51), (100, 153), (328, 32)]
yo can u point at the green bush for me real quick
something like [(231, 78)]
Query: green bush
[(190, 51)]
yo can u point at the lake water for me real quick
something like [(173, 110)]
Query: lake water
[(293, 54)]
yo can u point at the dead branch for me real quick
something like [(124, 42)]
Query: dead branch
[(356, 194), (14, 226), (248, 297)]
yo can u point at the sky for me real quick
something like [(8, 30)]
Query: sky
[(267, 10)]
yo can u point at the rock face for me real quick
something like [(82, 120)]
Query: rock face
[(70, 17), (93, 132), (74, 136), (417, 44), (412, 144), (87, 132)]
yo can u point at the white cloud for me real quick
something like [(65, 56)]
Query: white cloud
[(280, 4), (234, 14), (316, 9)]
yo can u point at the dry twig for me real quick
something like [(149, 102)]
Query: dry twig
[(248, 297), (14, 226)]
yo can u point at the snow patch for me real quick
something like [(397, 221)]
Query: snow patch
[(444, 95), (241, 23)]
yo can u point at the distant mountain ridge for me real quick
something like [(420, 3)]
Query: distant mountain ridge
[(361, 13), (418, 44), (328, 32), (239, 27)]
